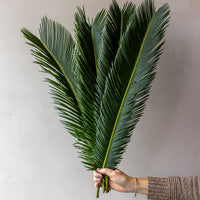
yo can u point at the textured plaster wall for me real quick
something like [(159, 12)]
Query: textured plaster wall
[(37, 159)]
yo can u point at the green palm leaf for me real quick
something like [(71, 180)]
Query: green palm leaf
[(51, 63), (98, 26), (100, 82), (116, 25), (87, 49), (54, 52), (128, 83)]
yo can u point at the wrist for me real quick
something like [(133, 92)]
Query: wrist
[(141, 185), (131, 186)]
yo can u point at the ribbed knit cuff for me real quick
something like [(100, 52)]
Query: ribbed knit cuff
[(158, 188), (174, 183)]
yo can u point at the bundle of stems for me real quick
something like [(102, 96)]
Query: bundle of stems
[(101, 79)]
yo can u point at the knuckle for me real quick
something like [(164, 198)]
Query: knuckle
[(113, 173)]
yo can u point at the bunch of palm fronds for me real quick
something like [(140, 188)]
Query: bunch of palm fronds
[(100, 81)]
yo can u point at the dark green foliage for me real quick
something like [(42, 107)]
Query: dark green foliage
[(127, 85), (101, 81)]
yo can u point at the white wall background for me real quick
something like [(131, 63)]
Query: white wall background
[(37, 159)]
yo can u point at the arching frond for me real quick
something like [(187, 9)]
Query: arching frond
[(100, 82), (116, 25), (128, 83), (54, 52)]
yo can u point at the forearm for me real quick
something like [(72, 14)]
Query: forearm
[(162, 188), (140, 187), (174, 187)]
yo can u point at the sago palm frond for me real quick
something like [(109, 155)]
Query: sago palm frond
[(116, 25), (54, 52), (87, 51), (101, 81), (128, 83), (86, 54)]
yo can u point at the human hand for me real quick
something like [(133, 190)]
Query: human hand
[(118, 180)]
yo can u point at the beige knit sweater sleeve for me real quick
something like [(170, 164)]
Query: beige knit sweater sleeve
[(174, 188)]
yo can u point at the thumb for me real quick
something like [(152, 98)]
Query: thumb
[(106, 171)]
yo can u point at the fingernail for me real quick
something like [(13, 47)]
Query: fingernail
[(99, 176), (98, 169), (98, 180)]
